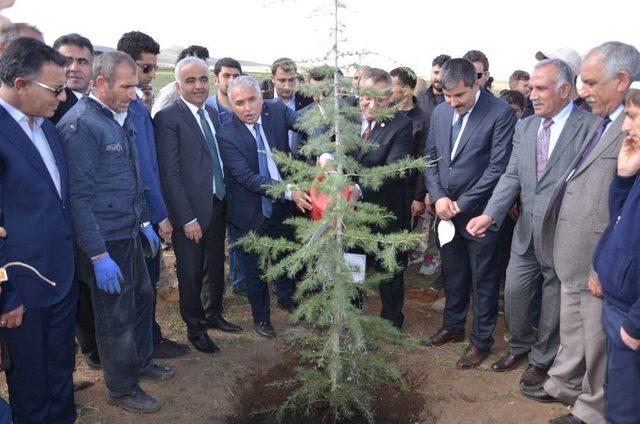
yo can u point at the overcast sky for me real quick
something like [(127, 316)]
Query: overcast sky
[(399, 32)]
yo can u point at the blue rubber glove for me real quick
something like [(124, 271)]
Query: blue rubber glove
[(107, 274), (154, 242)]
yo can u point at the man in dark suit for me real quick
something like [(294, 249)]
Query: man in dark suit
[(35, 212), (256, 129), (284, 79), (192, 178), (79, 53), (470, 137), (394, 140)]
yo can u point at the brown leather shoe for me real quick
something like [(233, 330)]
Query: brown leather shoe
[(442, 337), (508, 362), (472, 358), (533, 376)]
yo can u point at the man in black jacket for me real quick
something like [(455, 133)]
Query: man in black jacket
[(394, 140)]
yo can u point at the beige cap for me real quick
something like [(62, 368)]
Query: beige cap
[(566, 54)]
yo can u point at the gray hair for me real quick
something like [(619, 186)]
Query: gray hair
[(189, 60), (455, 70), (564, 74), (243, 81), (616, 57), (107, 64), (13, 31)]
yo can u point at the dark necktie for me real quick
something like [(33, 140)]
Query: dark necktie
[(542, 147), (455, 129), (585, 154), (211, 142), (592, 143), (367, 132), (263, 166)]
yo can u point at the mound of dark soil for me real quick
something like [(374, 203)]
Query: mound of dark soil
[(256, 402)]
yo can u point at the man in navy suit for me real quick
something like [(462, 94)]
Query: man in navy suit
[(37, 319), (257, 129), (193, 183), (470, 136)]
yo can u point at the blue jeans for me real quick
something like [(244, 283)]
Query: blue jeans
[(123, 320)]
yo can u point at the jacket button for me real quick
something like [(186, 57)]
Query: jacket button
[(110, 205)]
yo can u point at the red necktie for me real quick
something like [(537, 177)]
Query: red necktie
[(367, 133)]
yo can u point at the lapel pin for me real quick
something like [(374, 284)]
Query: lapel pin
[(382, 125)]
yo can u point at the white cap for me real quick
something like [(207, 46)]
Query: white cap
[(566, 54)]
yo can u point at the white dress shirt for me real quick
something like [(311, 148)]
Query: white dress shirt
[(194, 110), (464, 124), (271, 163), (559, 122), (364, 124), (39, 140), (120, 117)]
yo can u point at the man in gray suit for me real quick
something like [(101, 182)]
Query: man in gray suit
[(581, 213), (544, 147)]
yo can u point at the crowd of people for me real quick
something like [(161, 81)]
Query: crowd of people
[(537, 187)]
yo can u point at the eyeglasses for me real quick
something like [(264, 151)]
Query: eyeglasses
[(56, 91), (147, 67)]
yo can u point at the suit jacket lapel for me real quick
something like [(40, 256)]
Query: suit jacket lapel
[(377, 132), (566, 137), (194, 125), (269, 131), (58, 155), (474, 120), (610, 135), (445, 153), (16, 136)]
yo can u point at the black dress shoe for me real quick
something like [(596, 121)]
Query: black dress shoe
[(289, 307), (566, 419), (223, 325), (442, 337), (508, 362), (204, 344), (538, 394), (265, 329), (168, 349), (533, 377)]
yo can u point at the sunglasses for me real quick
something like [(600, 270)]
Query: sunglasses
[(56, 91), (147, 67), (480, 74)]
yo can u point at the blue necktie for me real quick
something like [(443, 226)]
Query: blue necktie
[(217, 169), (267, 204)]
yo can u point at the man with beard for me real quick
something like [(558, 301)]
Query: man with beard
[(224, 71)]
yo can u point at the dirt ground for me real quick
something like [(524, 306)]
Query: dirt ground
[(205, 386)]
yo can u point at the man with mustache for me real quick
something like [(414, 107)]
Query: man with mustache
[(544, 147)]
